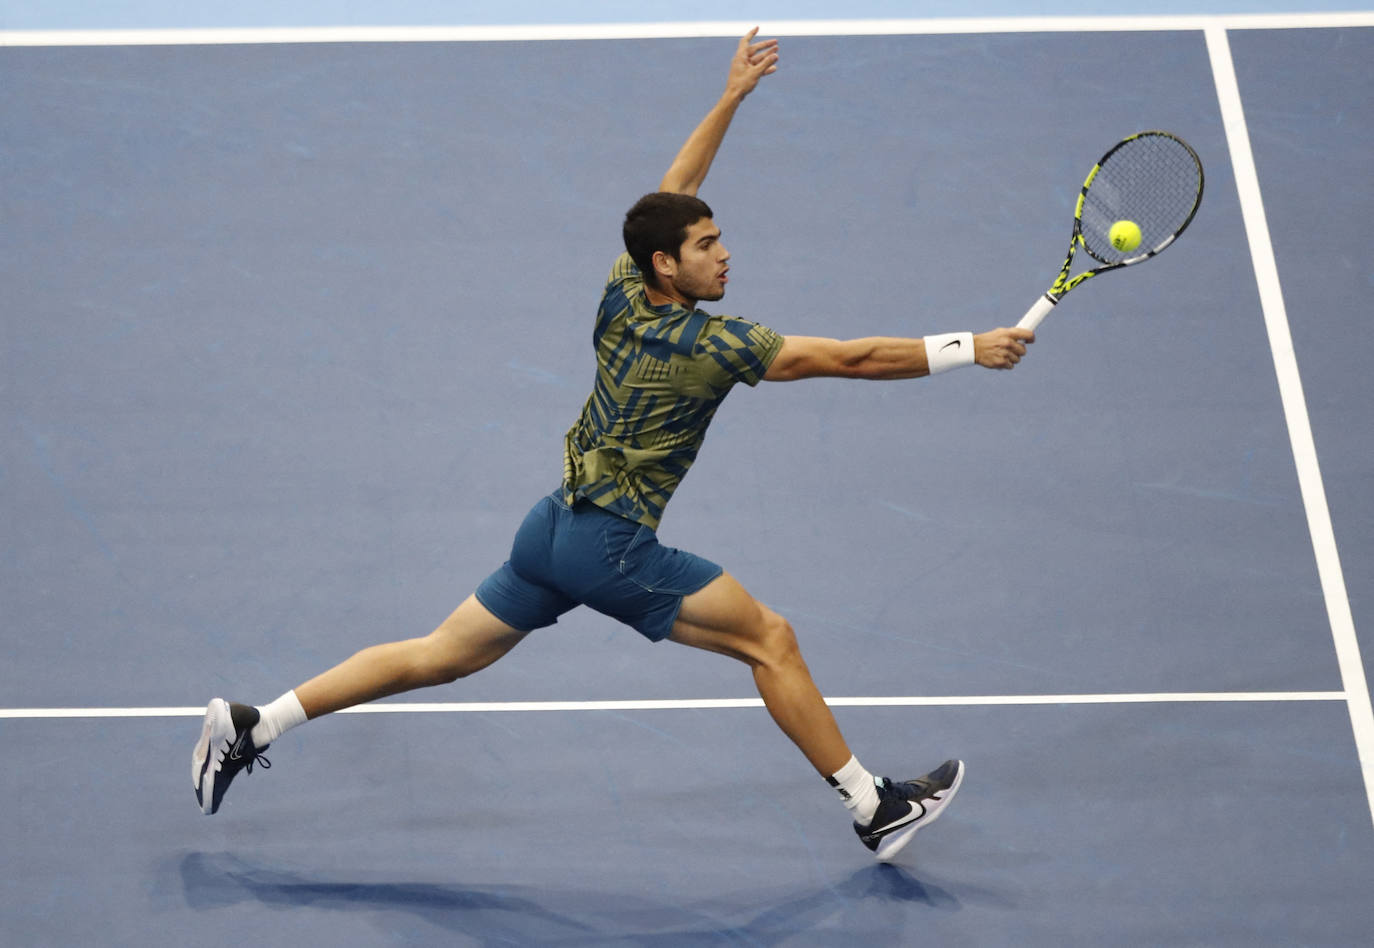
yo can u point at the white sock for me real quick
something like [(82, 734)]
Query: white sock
[(277, 718), (857, 790)]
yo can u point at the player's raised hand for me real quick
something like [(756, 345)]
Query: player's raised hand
[(752, 61), (1001, 348)]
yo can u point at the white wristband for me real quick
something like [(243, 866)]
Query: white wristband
[(949, 350)]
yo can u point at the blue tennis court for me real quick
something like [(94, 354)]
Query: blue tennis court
[(292, 333)]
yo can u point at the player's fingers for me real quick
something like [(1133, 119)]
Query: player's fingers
[(748, 38)]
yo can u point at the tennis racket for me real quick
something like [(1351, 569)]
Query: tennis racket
[(1153, 179)]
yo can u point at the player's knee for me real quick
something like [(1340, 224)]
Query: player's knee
[(447, 674), (440, 663), (777, 641)]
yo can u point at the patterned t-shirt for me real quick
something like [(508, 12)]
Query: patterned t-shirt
[(661, 373)]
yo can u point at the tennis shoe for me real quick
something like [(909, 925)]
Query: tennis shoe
[(905, 807), (225, 747)]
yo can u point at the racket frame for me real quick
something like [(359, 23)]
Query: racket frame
[(1063, 283)]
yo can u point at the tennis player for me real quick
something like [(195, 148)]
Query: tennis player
[(663, 368)]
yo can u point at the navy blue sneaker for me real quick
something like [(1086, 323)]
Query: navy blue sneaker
[(225, 747), (904, 808)]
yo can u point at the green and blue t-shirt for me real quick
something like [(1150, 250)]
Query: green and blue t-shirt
[(661, 373)]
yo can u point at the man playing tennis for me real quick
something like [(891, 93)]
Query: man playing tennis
[(663, 368)]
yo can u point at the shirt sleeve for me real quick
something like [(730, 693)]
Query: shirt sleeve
[(741, 350)]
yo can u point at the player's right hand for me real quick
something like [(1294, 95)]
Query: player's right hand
[(1001, 348)]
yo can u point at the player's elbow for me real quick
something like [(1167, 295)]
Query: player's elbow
[(867, 370), (857, 360), (675, 183)]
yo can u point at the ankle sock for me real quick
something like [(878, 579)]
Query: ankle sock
[(277, 718), (857, 789)]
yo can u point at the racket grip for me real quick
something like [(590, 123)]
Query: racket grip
[(1037, 313)]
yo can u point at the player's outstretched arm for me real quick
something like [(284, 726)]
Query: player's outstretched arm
[(752, 61), (883, 357)]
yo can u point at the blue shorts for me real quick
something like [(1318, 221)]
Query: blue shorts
[(565, 556)]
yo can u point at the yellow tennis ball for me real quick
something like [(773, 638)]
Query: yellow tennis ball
[(1124, 235)]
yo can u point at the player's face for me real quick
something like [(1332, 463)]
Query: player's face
[(702, 263)]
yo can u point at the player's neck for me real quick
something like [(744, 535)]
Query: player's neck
[(658, 297)]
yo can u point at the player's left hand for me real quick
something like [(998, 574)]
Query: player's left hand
[(751, 63), (1001, 348)]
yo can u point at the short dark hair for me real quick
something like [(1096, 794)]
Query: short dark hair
[(659, 221)]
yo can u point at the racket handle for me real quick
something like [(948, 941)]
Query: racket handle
[(1038, 312)]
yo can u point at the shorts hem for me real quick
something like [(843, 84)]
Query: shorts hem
[(672, 620), (517, 626)]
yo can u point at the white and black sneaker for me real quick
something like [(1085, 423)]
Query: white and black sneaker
[(904, 808), (225, 747)]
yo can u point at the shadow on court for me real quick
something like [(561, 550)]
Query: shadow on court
[(512, 914)]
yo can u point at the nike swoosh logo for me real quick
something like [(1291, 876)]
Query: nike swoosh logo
[(917, 812), (956, 343), (235, 752)]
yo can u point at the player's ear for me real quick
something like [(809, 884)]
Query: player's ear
[(664, 265)]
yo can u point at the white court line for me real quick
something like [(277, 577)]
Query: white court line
[(712, 704), (1295, 406), (601, 31)]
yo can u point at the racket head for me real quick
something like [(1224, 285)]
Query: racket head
[(1153, 178)]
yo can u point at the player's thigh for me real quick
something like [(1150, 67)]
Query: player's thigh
[(723, 617), (472, 637)]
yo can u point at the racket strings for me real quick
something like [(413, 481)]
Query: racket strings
[(1153, 179)]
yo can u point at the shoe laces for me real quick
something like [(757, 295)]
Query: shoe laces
[(253, 756), (889, 789)]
